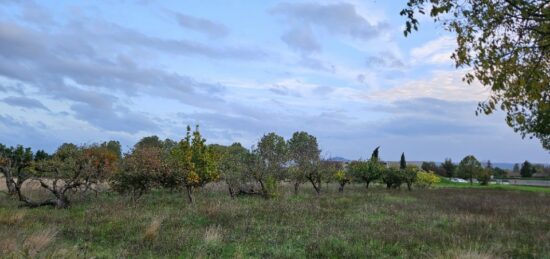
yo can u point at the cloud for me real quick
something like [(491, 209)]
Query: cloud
[(212, 29), (338, 19), (444, 85), (301, 39), (114, 118), (24, 102), (437, 51), (384, 60)]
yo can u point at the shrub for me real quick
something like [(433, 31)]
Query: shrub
[(426, 179)]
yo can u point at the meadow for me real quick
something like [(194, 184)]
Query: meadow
[(442, 222)]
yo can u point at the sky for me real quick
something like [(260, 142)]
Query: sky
[(92, 71)]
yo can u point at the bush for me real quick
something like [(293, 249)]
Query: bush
[(426, 179)]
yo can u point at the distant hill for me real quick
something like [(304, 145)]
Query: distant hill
[(338, 159)]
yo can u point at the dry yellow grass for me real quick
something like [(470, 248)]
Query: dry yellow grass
[(13, 218), (38, 241), (152, 231)]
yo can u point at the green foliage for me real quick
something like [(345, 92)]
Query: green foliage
[(426, 179), (484, 176), (272, 187), (429, 166), (232, 165), (507, 43), (366, 171), (527, 169), (409, 175), (304, 153), (393, 177), (448, 168), (141, 170), (342, 179), (500, 173), (469, 168)]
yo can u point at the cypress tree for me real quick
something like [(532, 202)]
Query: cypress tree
[(403, 163)]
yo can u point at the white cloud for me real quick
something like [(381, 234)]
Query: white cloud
[(437, 51), (445, 85)]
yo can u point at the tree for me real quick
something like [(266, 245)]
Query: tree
[(402, 162), (375, 154), (448, 167), (268, 161), (232, 166), (393, 177), (304, 153), (366, 171), (469, 168), (409, 175), (192, 162), (516, 168), (429, 166), (141, 169), (70, 168), (342, 178), (527, 169), (16, 164), (507, 43), (500, 173)]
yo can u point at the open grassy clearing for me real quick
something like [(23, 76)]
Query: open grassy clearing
[(378, 223)]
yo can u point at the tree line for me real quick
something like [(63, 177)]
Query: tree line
[(190, 164)]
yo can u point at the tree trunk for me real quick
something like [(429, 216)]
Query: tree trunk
[(264, 191), (368, 182), (190, 194), (296, 186), (315, 186), (231, 191), (409, 186), (341, 188)]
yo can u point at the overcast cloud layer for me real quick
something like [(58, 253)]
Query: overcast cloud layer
[(82, 73)]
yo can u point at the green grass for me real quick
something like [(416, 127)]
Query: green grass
[(448, 184), (442, 222)]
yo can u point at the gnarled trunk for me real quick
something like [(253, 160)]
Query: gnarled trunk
[(296, 186), (190, 194)]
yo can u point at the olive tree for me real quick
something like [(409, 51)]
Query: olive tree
[(266, 164), (304, 154), (15, 165), (70, 168), (141, 169)]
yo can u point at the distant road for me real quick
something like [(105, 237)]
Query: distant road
[(545, 183)]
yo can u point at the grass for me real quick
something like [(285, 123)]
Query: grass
[(448, 184), (437, 223)]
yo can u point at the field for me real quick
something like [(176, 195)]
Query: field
[(441, 222)]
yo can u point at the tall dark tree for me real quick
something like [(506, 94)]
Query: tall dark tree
[(374, 155), (448, 167), (403, 163), (527, 169), (507, 45)]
